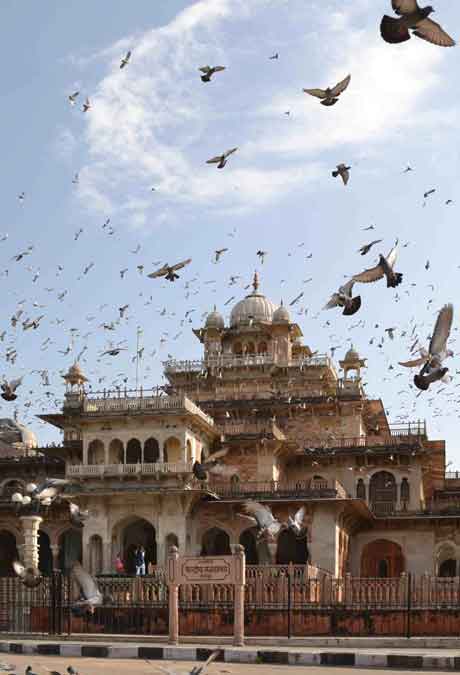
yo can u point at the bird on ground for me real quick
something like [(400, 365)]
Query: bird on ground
[(343, 171), (30, 576), (221, 160), (413, 18), (91, 595), (384, 268), (209, 71), (344, 298), (169, 271), (330, 96), (260, 515), (73, 98), (196, 670), (367, 247), (86, 106), (213, 465), (296, 523), (432, 360), (77, 516), (9, 389), (125, 60), (219, 253)]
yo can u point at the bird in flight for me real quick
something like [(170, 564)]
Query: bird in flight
[(219, 253), (343, 171), (86, 105), (73, 98), (209, 71), (274, 56), (169, 271), (367, 247), (384, 268), (330, 96), (9, 389), (344, 298), (125, 60), (414, 18), (221, 160)]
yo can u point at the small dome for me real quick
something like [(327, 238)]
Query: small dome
[(255, 307), (75, 375), (281, 315), (352, 355), (215, 320)]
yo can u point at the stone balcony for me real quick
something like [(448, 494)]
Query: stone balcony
[(248, 360), (261, 429), (279, 490), (153, 470), (122, 402)]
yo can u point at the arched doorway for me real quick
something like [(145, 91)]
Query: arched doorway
[(249, 543), (171, 540), (96, 452), (95, 554), (448, 568), (133, 452), (45, 557), (291, 549), (151, 451), (8, 553), (128, 535), (70, 549), (116, 451), (382, 492), (382, 558), (215, 542)]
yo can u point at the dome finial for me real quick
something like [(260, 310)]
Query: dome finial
[(255, 283)]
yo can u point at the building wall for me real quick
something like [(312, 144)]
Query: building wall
[(417, 546)]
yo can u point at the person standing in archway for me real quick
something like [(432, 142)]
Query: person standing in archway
[(140, 561), (119, 566)]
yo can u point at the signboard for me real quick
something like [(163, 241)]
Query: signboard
[(218, 570)]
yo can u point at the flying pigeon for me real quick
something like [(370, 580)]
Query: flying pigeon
[(221, 160), (30, 576), (432, 360), (274, 56), (429, 192), (330, 96), (263, 518), (213, 465), (384, 268), (209, 72), (9, 389), (73, 98), (91, 595), (415, 18), (169, 271), (343, 298), (49, 489), (219, 253), (296, 523), (86, 106), (367, 247), (125, 60), (77, 516), (343, 171)]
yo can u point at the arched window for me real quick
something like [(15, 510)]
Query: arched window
[(133, 452), (215, 542), (116, 451), (378, 552), (382, 492), (96, 452), (361, 490), (405, 493), (151, 451), (448, 568), (238, 348), (262, 347), (249, 543), (250, 348)]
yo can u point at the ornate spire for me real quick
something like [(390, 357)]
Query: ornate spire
[(255, 283)]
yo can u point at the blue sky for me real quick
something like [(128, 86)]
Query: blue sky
[(154, 124)]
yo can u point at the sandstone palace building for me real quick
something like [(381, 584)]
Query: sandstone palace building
[(299, 430)]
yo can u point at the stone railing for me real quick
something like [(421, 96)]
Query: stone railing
[(302, 489), (126, 470), (262, 428), (125, 401), (232, 361), (394, 437)]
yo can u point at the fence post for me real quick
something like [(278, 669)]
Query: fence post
[(173, 588), (240, 581), (409, 603), (289, 598)]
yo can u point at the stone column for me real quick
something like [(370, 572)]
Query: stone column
[(30, 525), (239, 561), (172, 575)]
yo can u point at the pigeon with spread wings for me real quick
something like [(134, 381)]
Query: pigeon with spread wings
[(30, 576), (414, 18), (213, 466), (91, 596), (261, 516), (9, 389), (297, 524), (169, 271), (209, 71), (343, 171), (221, 160), (330, 96), (125, 60), (433, 369), (344, 298), (384, 268)]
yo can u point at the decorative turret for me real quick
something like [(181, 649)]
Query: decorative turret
[(215, 320), (255, 308), (281, 315), (352, 362), (75, 378)]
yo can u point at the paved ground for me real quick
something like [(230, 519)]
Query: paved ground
[(86, 666)]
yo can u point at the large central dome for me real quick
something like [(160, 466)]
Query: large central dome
[(255, 307)]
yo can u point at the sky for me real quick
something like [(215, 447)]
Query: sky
[(154, 124)]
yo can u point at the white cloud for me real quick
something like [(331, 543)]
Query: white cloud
[(155, 123)]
